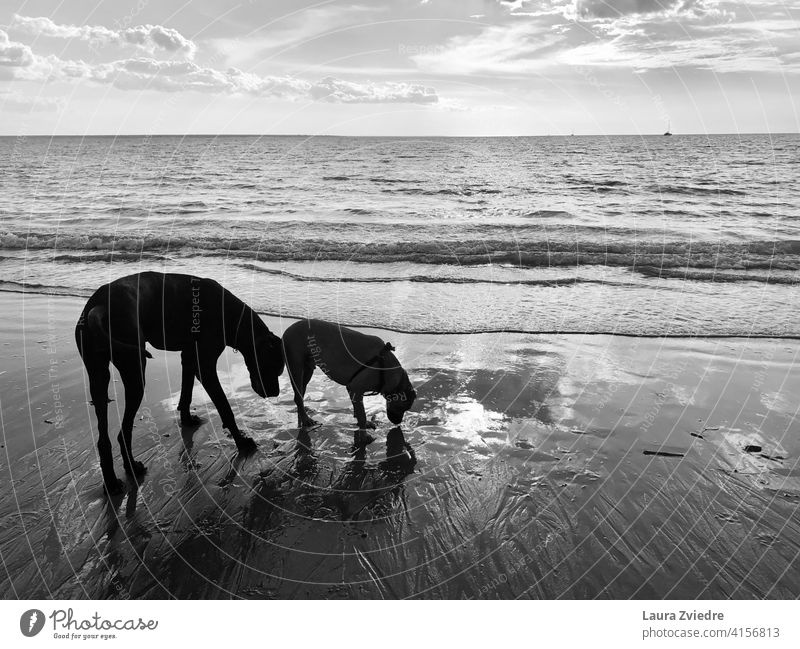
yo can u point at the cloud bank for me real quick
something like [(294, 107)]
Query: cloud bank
[(145, 73), (147, 37), (618, 8), (627, 34)]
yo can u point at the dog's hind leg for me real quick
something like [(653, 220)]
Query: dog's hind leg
[(99, 377), (188, 373), (132, 371), (96, 359)]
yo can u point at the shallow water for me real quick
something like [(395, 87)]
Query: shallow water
[(538, 474), (681, 235)]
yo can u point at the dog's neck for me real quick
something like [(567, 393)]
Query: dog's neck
[(394, 380), (386, 375), (238, 323)]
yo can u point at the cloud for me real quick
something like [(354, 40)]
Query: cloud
[(617, 8), (516, 48), (697, 34), (347, 92), (144, 73), (146, 37), (626, 34), (179, 75), (14, 54)]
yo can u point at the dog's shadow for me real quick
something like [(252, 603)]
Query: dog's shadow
[(310, 480), (188, 431)]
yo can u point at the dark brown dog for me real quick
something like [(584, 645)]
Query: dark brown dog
[(193, 315), (361, 363)]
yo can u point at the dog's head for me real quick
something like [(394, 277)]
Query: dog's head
[(400, 400), (265, 363)]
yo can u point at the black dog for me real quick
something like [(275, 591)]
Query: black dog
[(360, 362), (193, 315)]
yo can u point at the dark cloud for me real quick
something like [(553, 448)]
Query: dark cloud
[(618, 8)]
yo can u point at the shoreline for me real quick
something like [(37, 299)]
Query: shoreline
[(392, 137), (546, 467), (522, 332)]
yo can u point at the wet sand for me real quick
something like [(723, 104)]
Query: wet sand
[(536, 466)]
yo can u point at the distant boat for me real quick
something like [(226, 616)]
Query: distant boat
[(668, 129)]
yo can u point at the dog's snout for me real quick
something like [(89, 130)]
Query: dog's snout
[(273, 388), (258, 388)]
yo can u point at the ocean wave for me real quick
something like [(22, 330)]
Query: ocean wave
[(546, 214), (394, 181), (719, 275), (764, 255), (412, 327), (443, 191), (425, 279), (596, 182), (184, 207), (43, 289), (696, 190), (114, 255)]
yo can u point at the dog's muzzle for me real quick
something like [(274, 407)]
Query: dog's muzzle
[(395, 417)]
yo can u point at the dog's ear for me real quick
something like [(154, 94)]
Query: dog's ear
[(388, 347)]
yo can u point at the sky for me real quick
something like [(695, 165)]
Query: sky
[(399, 67)]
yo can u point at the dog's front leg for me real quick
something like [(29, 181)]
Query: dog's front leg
[(210, 381), (189, 370), (300, 368), (303, 418), (357, 400)]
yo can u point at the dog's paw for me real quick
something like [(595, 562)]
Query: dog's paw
[(362, 438), (114, 486), (190, 420), (308, 423), (246, 445)]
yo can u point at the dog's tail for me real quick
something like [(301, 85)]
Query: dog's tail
[(94, 322)]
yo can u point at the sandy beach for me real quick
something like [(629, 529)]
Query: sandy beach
[(546, 467)]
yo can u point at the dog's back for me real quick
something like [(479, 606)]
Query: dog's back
[(132, 310), (337, 350)]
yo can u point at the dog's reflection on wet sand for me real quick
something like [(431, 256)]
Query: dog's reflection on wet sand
[(357, 485)]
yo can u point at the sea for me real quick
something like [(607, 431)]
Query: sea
[(689, 235)]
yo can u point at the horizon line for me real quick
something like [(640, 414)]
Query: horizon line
[(419, 136)]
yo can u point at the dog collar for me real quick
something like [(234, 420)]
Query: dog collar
[(378, 358)]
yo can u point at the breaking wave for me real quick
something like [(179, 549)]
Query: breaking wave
[(746, 256)]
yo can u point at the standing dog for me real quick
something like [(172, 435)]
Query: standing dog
[(193, 315), (363, 364)]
